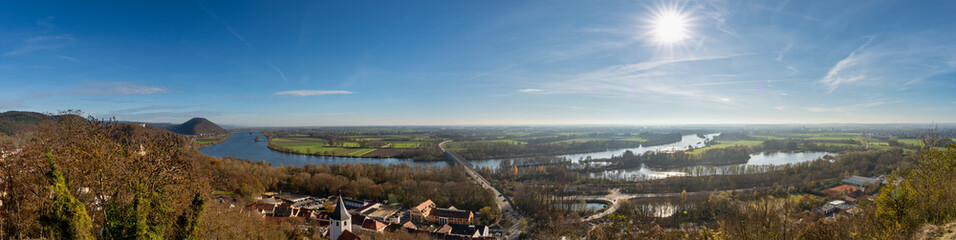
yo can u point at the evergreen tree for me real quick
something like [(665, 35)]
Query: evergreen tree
[(141, 219), (188, 223), (67, 217)]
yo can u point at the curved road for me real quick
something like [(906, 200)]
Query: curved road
[(504, 205)]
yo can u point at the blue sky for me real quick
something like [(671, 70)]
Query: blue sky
[(314, 63)]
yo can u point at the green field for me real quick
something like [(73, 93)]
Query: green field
[(361, 152), (917, 142), (310, 145), (725, 144), (461, 145)]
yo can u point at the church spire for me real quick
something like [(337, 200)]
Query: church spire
[(340, 213)]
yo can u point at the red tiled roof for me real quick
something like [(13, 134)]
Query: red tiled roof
[(423, 205), (373, 225), (348, 235), (444, 229), (410, 225), (262, 206)]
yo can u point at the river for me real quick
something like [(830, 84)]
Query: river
[(243, 145), (690, 140), (758, 163)]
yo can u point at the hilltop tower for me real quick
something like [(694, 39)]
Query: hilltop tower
[(340, 221)]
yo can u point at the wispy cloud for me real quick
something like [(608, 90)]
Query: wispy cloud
[(839, 75), (224, 24), (46, 22), (784, 51), (68, 58), (645, 80), (279, 71), (530, 90), (116, 88), (42, 43), (304, 93), (147, 109)]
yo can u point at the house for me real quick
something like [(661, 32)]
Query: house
[(353, 204), (372, 225), (469, 231), (293, 197), (285, 210), (420, 213), (427, 212), (833, 207), (450, 215), (265, 209), (387, 213), (368, 208), (444, 229), (348, 235)]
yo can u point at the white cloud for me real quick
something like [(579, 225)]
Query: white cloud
[(117, 88), (304, 93), (530, 90), (839, 74), (780, 108)]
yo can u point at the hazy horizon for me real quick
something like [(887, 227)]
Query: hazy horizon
[(489, 63)]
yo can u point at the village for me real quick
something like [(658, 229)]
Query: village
[(337, 217), (845, 194)]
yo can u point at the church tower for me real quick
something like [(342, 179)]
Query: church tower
[(340, 221)]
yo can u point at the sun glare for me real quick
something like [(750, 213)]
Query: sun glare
[(669, 25)]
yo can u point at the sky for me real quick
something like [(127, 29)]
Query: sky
[(351, 63)]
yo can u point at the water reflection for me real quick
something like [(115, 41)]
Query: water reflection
[(758, 163), (690, 140)]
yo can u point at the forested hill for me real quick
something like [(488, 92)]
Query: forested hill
[(197, 126), (13, 122)]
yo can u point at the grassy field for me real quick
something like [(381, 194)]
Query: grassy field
[(725, 144), (361, 152), (461, 145), (917, 142), (310, 145), (210, 140)]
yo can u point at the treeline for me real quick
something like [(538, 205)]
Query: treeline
[(716, 156), (403, 184), (491, 150)]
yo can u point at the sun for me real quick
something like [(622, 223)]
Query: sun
[(669, 25)]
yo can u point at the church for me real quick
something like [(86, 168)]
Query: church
[(340, 223)]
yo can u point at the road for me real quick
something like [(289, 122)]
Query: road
[(507, 210)]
